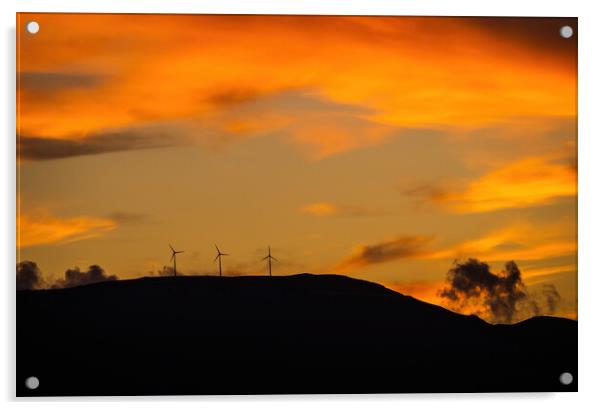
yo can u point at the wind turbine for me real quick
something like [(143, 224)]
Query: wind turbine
[(219, 257), (173, 257), (269, 258)]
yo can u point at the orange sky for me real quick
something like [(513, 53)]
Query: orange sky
[(329, 138)]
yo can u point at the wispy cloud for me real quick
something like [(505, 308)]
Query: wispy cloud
[(127, 139), (47, 82), (541, 274), (401, 247), (520, 241), (331, 209), (41, 227), (128, 217), (527, 182), (412, 75)]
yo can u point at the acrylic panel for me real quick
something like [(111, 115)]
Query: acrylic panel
[(248, 204)]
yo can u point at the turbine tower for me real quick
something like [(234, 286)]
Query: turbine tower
[(219, 258), (173, 257), (269, 258)]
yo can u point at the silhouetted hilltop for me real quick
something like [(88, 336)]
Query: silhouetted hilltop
[(283, 334)]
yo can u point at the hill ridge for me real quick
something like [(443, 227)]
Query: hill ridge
[(303, 333)]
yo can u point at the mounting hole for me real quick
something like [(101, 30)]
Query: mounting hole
[(566, 31), (33, 27), (566, 378), (32, 382)]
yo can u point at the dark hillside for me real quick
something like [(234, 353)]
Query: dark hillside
[(291, 334)]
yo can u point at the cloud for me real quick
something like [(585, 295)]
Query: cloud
[(552, 297), (167, 271), (500, 298), (323, 136), (472, 282), (398, 248), (537, 275), (42, 148), (29, 276), (40, 228), (527, 182), (330, 209), (233, 96), (304, 118), (45, 82), (520, 241), (422, 73), (124, 218), (75, 277)]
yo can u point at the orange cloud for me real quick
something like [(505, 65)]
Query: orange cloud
[(321, 209), (41, 228), (331, 136), (517, 242), (330, 209), (535, 275), (76, 79), (520, 242), (527, 182)]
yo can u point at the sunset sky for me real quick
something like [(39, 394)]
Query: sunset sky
[(383, 148)]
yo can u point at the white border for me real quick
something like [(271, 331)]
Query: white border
[(590, 198)]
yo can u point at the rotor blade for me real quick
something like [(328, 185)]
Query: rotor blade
[(265, 257), (225, 254), (275, 259), (217, 249), (179, 252), (171, 247), (217, 257), (172, 256)]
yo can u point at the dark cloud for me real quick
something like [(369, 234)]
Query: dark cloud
[(472, 282), (500, 298), (29, 276), (540, 34), (233, 96), (123, 218), (75, 277), (167, 271), (40, 148), (398, 248), (50, 82), (423, 191), (424, 194), (551, 298)]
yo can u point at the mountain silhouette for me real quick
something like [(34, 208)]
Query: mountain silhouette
[(274, 335)]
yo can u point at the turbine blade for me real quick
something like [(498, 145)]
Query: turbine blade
[(172, 256), (171, 247), (275, 259), (217, 249), (216, 258), (225, 254), (265, 257), (179, 252)]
